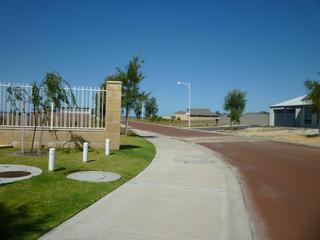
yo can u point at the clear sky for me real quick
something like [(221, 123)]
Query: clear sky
[(267, 48)]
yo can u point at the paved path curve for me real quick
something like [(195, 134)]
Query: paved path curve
[(280, 182), (185, 193)]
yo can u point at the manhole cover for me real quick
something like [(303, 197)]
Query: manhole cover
[(193, 160), (94, 176), (14, 174)]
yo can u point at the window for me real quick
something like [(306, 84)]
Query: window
[(307, 116)]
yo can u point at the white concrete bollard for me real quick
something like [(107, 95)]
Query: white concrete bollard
[(52, 159), (85, 152), (108, 142)]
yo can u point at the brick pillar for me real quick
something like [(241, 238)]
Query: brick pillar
[(113, 112)]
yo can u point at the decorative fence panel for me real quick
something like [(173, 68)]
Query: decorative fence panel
[(88, 112)]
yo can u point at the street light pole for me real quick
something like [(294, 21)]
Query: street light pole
[(188, 85), (189, 123)]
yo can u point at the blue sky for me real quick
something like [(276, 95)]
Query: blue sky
[(267, 48)]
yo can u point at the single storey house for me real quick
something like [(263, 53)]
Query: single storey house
[(196, 114), (295, 112)]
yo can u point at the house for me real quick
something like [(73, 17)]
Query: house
[(295, 112), (196, 114)]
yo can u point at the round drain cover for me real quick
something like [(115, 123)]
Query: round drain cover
[(14, 174), (94, 176)]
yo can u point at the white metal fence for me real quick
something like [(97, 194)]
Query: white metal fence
[(88, 112)]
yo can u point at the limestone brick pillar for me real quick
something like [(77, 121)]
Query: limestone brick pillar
[(113, 112)]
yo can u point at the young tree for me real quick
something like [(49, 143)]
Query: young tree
[(131, 78), (235, 104), (314, 96), (131, 86), (151, 108), (51, 90), (35, 99), (56, 94)]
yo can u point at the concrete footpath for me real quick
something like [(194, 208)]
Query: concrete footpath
[(185, 193)]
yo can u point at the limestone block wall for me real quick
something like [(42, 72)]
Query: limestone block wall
[(50, 138), (56, 137), (113, 110)]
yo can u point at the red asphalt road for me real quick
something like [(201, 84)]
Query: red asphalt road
[(281, 182), (171, 131)]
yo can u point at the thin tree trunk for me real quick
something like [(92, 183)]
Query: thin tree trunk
[(34, 130), (33, 137), (41, 133), (127, 121), (319, 126)]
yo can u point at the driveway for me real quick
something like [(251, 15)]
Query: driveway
[(186, 193), (280, 182)]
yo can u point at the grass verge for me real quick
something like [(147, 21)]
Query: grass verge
[(30, 208)]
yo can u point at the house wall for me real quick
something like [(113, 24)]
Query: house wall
[(300, 116), (313, 123), (184, 117), (271, 117)]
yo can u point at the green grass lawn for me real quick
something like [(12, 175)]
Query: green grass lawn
[(32, 207)]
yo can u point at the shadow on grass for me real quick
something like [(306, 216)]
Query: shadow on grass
[(123, 147), (16, 223), (60, 169)]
